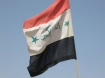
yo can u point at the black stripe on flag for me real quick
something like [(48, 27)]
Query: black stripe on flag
[(54, 53)]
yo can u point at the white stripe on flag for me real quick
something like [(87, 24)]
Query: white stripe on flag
[(57, 30)]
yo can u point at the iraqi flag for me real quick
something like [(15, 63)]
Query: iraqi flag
[(49, 36)]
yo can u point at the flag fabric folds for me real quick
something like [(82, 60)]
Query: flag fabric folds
[(50, 38)]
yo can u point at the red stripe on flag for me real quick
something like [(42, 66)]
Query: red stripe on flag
[(50, 13)]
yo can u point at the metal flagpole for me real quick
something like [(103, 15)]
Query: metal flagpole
[(77, 70), (76, 61)]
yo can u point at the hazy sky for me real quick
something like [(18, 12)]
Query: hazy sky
[(88, 18)]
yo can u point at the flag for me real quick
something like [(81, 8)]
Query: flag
[(50, 38)]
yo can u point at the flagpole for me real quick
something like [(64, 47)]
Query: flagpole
[(77, 70), (76, 61)]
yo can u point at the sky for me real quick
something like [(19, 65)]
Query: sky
[(88, 17)]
